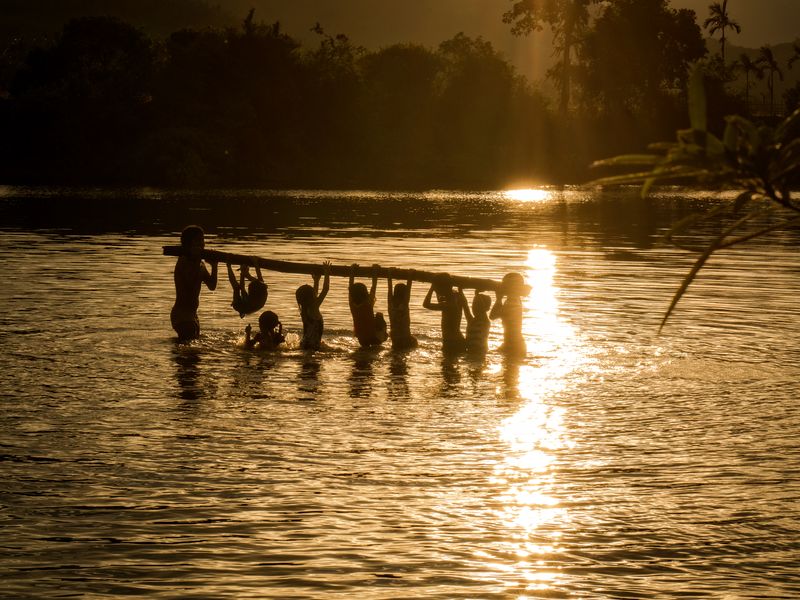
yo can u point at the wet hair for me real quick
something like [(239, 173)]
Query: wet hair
[(400, 292), (190, 234), (481, 303), (358, 292), (304, 294), (268, 320)]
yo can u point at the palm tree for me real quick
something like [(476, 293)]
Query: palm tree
[(767, 61), (748, 67), (795, 53), (720, 21)]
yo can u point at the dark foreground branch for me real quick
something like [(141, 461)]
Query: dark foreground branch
[(283, 266)]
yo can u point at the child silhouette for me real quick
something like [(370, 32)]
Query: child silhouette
[(368, 327), (309, 301)]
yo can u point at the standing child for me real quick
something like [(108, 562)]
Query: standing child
[(369, 328), (270, 332), (448, 302), (399, 315), (248, 299), (508, 307), (309, 301), (190, 273), (478, 323)]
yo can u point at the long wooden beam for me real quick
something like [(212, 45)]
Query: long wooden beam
[(283, 266)]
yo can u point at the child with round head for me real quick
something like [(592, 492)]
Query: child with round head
[(190, 275), (309, 300), (508, 307), (398, 298), (270, 332), (478, 323), (367, 326), (449, 303), (250, 298)]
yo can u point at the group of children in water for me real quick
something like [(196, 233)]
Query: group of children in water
[(369, 327)]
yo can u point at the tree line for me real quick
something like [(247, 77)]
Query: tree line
[(103, 103)]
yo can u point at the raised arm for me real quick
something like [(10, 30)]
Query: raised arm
[(427, 303), (497, 309), (389, 294), (210, 279), (326, 269), (374, 283), (465, 305), (232, 277)]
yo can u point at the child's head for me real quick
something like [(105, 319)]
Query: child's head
[(268, 321), (400, 294), (442, 285), (514, 285), (358, 293), (193, 240), (304, 295), (481, 303)]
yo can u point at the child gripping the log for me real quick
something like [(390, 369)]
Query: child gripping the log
[(247, 299), (369, 327), (190, 274), (448, 302), (309, 300), (399, 315), (478, 323), (508, 307)]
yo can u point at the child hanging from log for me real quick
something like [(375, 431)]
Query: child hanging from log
[(309, 301), (247, 300), (448, 302), (190, 274), (269, 335), (369, 327), (478, 323), (508, 307), (399, 315)]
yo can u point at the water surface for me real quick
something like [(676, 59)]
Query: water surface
[(612, 462)]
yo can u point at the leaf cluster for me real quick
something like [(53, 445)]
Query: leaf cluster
[(760, 160)]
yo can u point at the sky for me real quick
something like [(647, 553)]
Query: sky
[(376, 23)]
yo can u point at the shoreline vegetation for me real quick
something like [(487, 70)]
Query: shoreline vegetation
[(103, 103)]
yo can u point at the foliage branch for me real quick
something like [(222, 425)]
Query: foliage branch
[(760, 160)]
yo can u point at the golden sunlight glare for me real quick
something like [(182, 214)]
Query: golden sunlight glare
[(527, 195)]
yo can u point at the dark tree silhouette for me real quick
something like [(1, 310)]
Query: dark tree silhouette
[(637, 51), (767, 61), (567, 19), (719, 20), (749, 67)]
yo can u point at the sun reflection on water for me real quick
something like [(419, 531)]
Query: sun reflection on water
[(529, 505), (527, 195)]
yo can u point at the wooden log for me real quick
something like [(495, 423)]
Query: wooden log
[(282, 266)]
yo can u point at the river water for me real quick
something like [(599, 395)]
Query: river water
[(613, 462)]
